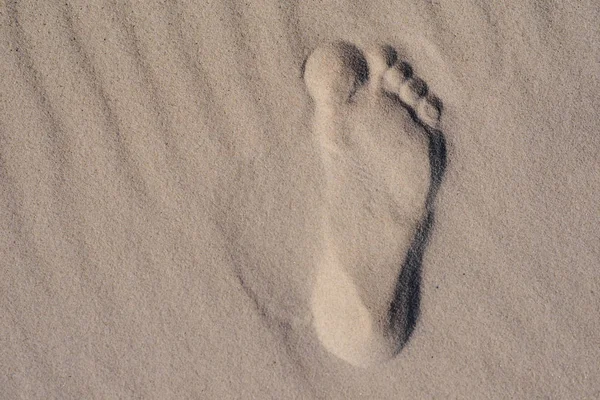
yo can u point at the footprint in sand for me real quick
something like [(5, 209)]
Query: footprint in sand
[(384, 159)]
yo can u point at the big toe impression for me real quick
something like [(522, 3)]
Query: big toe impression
[(332, 73)]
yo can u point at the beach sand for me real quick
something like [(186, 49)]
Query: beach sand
[(162, 189)]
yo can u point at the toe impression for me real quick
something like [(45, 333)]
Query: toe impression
[(333, 72)]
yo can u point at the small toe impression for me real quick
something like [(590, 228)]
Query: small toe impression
[(380, 59), (429, 110), (412, 91), (333, 72), (395, 77)]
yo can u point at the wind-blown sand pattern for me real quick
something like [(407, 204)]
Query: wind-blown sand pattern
[(162, 198)]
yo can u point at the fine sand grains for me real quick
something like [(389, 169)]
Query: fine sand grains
[(173, 202)]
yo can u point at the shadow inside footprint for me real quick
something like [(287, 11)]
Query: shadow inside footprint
[(405, 307)]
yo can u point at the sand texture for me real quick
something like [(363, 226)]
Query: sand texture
[(191, 208)]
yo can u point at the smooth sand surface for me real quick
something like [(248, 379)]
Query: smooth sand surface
[(162, 188)]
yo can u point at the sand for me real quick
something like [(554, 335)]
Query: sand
[(161, 195)]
